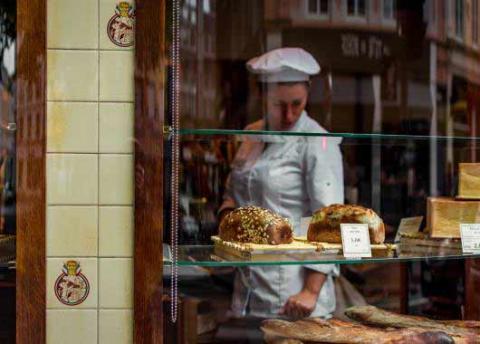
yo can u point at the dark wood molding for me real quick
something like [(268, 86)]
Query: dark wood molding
[(150, 66), (31, 138), (472, 281)]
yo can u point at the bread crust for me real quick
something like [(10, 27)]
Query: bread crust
[(460, 331), (325, 224), (317, 330), (255, 225)]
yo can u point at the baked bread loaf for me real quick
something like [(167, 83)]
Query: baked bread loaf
[(255, 225), (317, 330), (460, 331), (325, 223)]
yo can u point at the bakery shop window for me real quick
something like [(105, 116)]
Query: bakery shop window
[(356, 8), (292, 125), (319, 7)]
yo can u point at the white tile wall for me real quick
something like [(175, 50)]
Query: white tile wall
[(72, 231), (72, 24), (90, 121), (107, 10), (72, 179), (72, 127), (116, 232), (72, 326), (116, 179), (116, 127), (116, 326), (72, 75), (88, 268), (116, 76), (116, 283)]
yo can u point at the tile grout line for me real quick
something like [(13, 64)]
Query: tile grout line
[(63, 256), (90, 205), (98, 175), (89, 153), (89, 49), (90, 101)]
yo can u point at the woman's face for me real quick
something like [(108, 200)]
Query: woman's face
[(285, 103)]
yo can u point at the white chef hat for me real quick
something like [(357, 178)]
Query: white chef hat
[(284, 65)]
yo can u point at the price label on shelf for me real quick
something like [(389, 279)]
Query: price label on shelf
[(470, 234), (355, 240), (409, 225)]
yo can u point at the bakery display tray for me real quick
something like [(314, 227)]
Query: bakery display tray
[(298, 249), (209, 256)]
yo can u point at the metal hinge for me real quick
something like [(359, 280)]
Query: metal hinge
[(167, 131), (12, 126)]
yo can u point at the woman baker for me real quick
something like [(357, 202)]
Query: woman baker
[(293, 175)]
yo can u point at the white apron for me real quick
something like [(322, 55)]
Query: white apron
[(293, 176)]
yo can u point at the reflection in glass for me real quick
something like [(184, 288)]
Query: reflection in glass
[(8, 17), (407, 71), (7, 115)]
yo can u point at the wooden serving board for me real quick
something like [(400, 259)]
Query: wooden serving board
[(299, 249), (247, 251), (378, 250), (422, 239), (422, 244)]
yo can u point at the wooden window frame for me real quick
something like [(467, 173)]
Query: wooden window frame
[(31, 58), (150, 71)]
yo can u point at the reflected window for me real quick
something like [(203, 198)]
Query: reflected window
[(430, 11), (356, 8), (459, 18), (389, 9), (206, 6), (318, 7)]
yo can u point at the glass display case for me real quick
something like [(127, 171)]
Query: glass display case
[(294, 125)]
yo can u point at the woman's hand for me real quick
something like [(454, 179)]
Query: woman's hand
[(300, 305)]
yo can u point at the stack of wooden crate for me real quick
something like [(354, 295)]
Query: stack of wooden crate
[(445, 214)]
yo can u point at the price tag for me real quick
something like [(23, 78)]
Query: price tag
[(409, 225), (355, 240), (470, 234)]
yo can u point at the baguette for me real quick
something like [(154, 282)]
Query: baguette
[(374, 316), (316, 330)]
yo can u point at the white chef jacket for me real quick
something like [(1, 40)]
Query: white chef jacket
[(293, 176)]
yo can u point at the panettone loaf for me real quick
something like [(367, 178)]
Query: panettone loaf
[(257, 226), (325, 223)]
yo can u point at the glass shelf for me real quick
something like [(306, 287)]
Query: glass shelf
[(205, 255), (376, 136)]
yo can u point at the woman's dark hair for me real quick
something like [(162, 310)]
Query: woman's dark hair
[(263, 85)]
